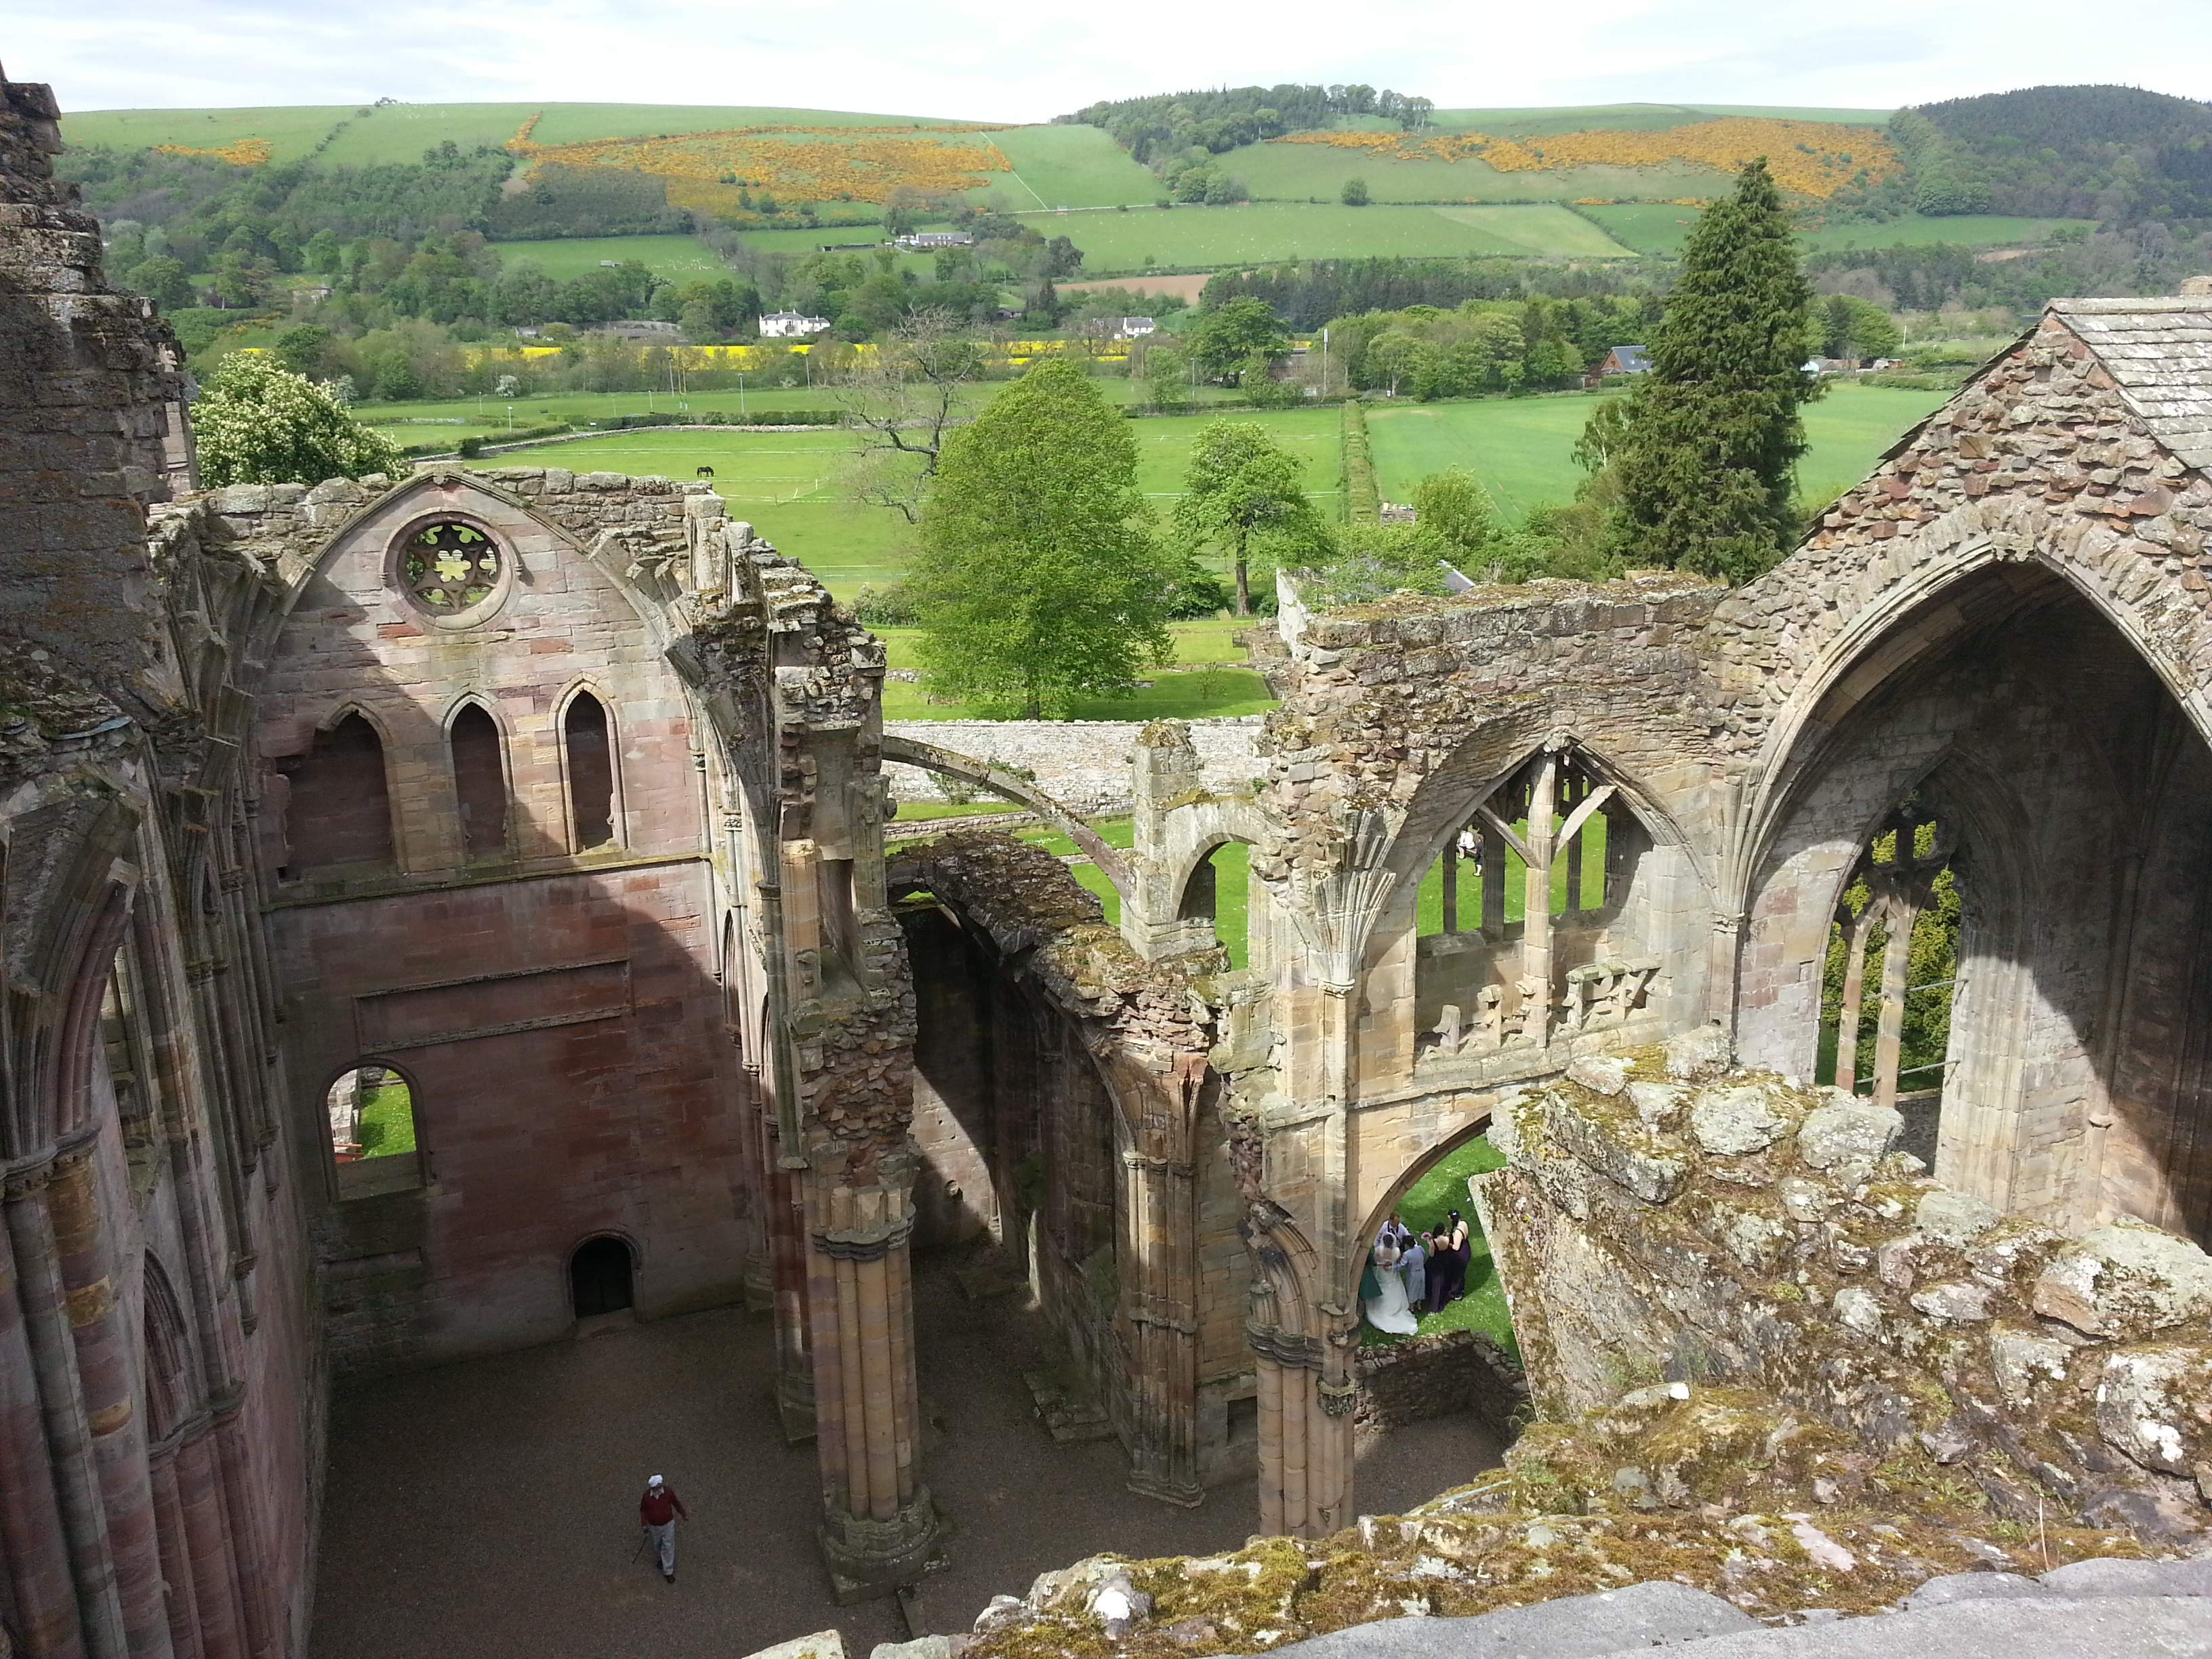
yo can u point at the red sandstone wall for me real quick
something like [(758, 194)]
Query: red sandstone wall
[(557, 1012)]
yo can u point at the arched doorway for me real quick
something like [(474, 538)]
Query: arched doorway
[(601, 1275), (1217, 895), (369, 1112)]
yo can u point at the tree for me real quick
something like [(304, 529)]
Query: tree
[(1167, 376), (305, 349), (902, 398), (257, 422), (1354, 194), (164, 281), (1852, 328), (1706, 463), (1244, 488), (1229, 337), (1037, 581), (1455, 507)]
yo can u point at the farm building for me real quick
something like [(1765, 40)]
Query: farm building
[(790, 325)]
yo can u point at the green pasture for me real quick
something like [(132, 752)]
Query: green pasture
[(1275, 232), (672, 259), (1661, 227), (1520, 448), (1208, 677), (1069, 166), (1303, 172), (292, 129), (1966, 229)]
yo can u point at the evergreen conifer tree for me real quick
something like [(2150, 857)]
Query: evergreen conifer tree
[(1707, 465)]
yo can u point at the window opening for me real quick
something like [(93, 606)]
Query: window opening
[(371, 1113), (1898, 919), (1529, 887), (449, 567), (600, 1276), (479, 783), (341, 806), (590, 771), (1218, 893)]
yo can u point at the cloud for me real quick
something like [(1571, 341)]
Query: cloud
[(992, 59)]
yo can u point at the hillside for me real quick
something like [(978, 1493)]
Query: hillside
[(2117, 153)]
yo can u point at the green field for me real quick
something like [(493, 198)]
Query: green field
[(787, 484), (1301, 173), (401, 132), (673, 259), (1270, 232), (1520, 447), (1659, 228), (1070, 166)]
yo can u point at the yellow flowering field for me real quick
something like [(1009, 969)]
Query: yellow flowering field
[(706, 170), (1810, 158), (240, 153)]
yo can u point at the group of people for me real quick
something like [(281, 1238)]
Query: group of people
[(1409, 1275)]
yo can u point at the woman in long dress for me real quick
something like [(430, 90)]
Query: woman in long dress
[(1386, 1309), (1447, 1267)]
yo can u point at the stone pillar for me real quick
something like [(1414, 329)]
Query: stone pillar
[(104, 1365), (879, 1526), (69, 1436), (176, 1557), (32, 1550), (216, 1588), (1160, 1276)]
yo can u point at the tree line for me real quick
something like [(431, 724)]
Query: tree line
[(1219, 119)]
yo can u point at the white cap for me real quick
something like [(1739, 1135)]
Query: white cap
[(653, 1481)]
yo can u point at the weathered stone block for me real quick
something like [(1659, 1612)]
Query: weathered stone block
[(1736, 1122), (1841, 1134)]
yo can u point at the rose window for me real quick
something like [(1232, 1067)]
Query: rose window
[(449, 567)]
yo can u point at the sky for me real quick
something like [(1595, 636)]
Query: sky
[(1004, 61)]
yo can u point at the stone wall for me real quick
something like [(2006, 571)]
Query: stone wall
[(1082, 764), (1660, 1218), (1441, 1374)]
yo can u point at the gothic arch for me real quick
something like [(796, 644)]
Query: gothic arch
[(567, 763)]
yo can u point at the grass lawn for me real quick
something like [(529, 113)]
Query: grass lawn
[(1425, 1207), (673, 259), (1520, 447), (1270, 231), (387, 1121), (1199, 695)]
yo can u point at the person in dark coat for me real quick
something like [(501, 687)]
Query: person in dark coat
[(1447, 1265)]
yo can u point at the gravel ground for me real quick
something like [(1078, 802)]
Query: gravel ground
[(489, 1507)]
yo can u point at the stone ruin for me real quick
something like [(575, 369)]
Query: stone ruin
[(561, 796)]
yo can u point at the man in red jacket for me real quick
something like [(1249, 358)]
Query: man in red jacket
[(657, 1511)]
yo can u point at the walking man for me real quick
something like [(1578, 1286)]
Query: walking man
[(657, 1511)]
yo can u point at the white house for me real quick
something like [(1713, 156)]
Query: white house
[(1135, 328), (790, 325)]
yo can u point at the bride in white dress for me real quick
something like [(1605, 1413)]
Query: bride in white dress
[(1388, 1308)]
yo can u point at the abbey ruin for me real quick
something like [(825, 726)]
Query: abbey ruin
[(562, 798)]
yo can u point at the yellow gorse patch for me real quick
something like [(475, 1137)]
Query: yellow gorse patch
[(706, 170), (241, 153), (1811, 158)]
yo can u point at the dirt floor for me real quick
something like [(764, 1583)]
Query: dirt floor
[(489, 1508)]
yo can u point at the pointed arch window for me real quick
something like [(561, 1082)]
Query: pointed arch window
[(1527, 934), (479, 782), (588, 739), (1219, 895), (340, 812)]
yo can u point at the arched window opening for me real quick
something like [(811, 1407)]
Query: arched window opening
[(1529, 917), (479, 783), (341, 808), (1899, 913), (590, 771), (1219, 894), (1453, 1284), (371, 1113), (601, 1278), (450, 568)]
